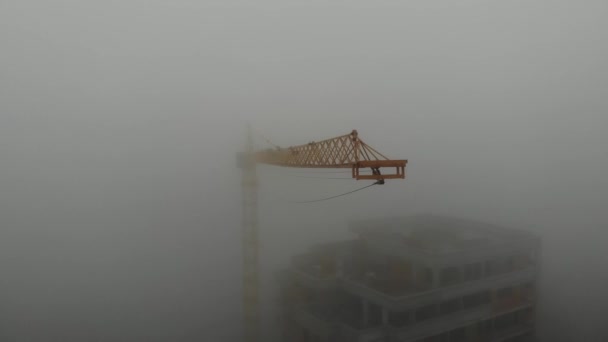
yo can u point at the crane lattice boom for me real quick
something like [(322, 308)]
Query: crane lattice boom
[(346, 151)]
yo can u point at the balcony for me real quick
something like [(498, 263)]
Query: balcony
[(415, 297), (332, 325), (461, 319), (350, 334), (315, 319), (509, 333)]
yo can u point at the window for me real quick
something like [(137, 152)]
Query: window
[(504, 293), (314, 338), (449, 306), (436, 338), (494, 267), (472, 272), (426, 312), (458, 335), (526, 315), (484, 328), (505, 321), (425, 275), (399, 319), (374, 315), (519, 261), (527, 291), (449, 275), (521, 338), (476, 299)]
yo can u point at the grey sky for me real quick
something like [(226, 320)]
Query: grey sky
[(120, 120)]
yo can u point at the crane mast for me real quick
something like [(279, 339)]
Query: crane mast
[(346, 151), (251, 293)]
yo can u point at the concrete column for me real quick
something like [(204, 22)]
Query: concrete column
[(365, 313), (471, 332), (385, 317), (340, 265), (435, 276)]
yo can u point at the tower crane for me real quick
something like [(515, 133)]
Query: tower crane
[(345, 152)]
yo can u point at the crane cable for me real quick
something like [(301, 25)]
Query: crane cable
[(332, 197), (266, 139)]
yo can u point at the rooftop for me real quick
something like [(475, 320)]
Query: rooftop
[(437, 233)]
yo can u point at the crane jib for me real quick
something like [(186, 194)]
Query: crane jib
[(346, 151)]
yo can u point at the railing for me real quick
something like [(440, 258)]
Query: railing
[(517, 330), (452, 321), (351, 334), (501, 305), (441, 324), (328, 324), (436, 295), (308, 319)]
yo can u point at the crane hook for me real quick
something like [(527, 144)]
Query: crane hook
[(376, 171)]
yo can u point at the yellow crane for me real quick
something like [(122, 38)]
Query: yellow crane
[(346, 151)]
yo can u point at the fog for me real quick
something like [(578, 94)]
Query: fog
[(120, 122)]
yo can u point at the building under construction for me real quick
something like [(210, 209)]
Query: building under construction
[(420, 278)]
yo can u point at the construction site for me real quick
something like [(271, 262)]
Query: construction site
[(420, 278)]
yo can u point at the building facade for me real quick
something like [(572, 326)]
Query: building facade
[(419, 278)]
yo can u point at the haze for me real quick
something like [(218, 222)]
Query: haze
[(120, 122)]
